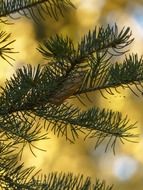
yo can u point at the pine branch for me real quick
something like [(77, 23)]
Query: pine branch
[(68, 181), (93, 60), (126, 75), (108, 38), (30, 88), (18, 179), (27, 8), (38, 94), (34, 91), (102, 124), (19, 129), (13, 176), (5, 48), (8, 160), (99, 40), (57, 48), (100, 45)]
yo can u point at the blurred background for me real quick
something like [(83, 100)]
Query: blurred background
[(125, 168)]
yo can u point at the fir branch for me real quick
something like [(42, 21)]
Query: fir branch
[(108, 38), (19, 128), (5, 48), (30, 88), (57, 48), (100, 45), (6, 147), (39, 93), (63, 181), (103, 124), (21, 88), (126, 75), (13, 176), (8, 161), (32, 95), (99, 40), (28, 7), (53, 181)]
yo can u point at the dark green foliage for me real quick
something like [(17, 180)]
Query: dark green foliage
[(36, 100), (127, 74), (109, 39), (58, 48), (68, 181), (34, 8), (5, 48), (32, 98), (101, 41), (13, 176)]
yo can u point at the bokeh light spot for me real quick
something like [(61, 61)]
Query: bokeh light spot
[(125, 167)]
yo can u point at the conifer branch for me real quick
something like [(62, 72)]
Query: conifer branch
[(107, 39), (30, 88), (20, 129), (53, 181), (102, 124), (39, 94), (69, 181), (13, 176), (93, 58), (57, 48), (27, 8), (95, 47), (126, 75), (34, 91), (5, 48)]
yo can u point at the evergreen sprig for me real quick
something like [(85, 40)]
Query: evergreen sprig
[(93, 59), (109, 38), (13, 176), (126, 75), (67, 181), (18, 179), (30, 96), (20, 129), (34, 8), (99, 40), (58, 48), (102, 124), (41, 93), (5, 48), (92, 55)]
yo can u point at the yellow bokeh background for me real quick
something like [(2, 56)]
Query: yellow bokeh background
[(125, 169)]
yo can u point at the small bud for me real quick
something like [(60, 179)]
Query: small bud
[(70, 86)]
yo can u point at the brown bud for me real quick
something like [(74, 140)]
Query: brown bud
[(69, 87)]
